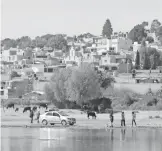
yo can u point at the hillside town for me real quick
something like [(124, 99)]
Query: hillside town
[(116, 55)]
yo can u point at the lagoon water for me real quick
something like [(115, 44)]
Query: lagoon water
[(64, 139)]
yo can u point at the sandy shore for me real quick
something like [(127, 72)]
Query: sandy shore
[(9, 118)]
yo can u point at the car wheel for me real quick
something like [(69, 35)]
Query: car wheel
[(71, 124), (63, 122), (44, 122)]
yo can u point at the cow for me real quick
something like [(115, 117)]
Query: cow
[(91, 113), (11, 105), (28, 108), (43, 105), (17, 109)]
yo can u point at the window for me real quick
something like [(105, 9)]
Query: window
[(49, 114), (114, 68), (45, 70), (105, 60), (2, 92), (50, 69), (55, 114)]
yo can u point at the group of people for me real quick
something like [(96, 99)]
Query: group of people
[(32, 115), (123, 119)]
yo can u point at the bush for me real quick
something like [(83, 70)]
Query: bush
[(152, 102)]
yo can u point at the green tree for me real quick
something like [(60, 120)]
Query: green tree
[(146, 63), (159, 34), (153, 61), (49, 93), (8, 43), (24, 42), (83, 85), (59, 81), (137, 33), (39, 42), (150, 39), (107, 29), (137, 61), (155, 25), (57, 42), (105, 80), (21, 89)]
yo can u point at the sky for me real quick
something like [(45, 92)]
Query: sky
[(72, 17)]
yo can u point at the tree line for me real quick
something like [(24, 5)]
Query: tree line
[(60, 41), (148, 57)]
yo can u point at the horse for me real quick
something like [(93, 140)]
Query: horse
[(17, 109), (28, 108), (91, 113), (11, 105), (43, 105)]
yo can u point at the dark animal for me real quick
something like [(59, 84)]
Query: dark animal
[(91, 113), (34, 108), (17, 109), (43, 105), (11, 105), (27, 109)]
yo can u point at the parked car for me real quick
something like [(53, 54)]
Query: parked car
[(54, 117)]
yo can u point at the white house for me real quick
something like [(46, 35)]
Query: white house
[(116, 44), (9, 55), (73, 57), (12, 55), (136, 46), (107, 59)]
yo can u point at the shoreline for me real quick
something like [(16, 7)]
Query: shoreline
[(82, 127), (11, 119)]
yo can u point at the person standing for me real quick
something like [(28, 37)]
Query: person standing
[(31, 115), (111, 118), (38, 115), (133, 118), (122, 119)]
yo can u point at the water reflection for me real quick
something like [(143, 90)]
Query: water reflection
[(122, 134), (19, 139)]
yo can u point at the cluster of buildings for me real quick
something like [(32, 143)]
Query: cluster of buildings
[(115, 54)]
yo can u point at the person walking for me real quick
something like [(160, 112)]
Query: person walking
[(122, 119), (133, 118), (38, 115), (111, 118), (31, 115)]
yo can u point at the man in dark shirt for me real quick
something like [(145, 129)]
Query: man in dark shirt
[(111, 118), (122, 119)]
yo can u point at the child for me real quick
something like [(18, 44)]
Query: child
[(122, 119), (111, 118), (133, 118)]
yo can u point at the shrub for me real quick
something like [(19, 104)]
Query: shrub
[(152, 102)]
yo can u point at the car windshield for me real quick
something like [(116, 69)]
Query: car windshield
[(63, 114)]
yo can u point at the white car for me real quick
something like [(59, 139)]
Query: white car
[(54, 117)]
